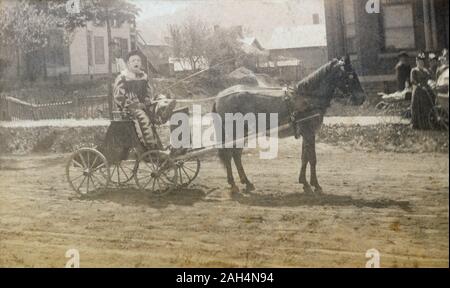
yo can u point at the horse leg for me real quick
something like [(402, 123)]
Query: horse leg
[(237, 156), (225, 156), (312, 164), (305, 159)]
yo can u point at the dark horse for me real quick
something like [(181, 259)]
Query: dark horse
[(311, 96)]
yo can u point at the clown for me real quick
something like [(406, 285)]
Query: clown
[(133, 93)]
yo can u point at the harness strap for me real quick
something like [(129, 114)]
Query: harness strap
[(292, 114), (312, 114)]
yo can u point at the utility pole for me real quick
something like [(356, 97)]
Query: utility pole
[(427, 25), (110, 76)]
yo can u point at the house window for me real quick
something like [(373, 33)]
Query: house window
[(99, 50), (89, 48), (350, 27), (398, 27), (120, 48), (55, 55), (316, 19)]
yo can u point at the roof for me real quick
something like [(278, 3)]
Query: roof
[(298, 37), (251, 45)]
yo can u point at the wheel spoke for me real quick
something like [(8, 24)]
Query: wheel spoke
[(99, 167), (95, 161), (77, 163), (159, 185), (170, 179), (77, 177), (162, 179), (151, 169), (76, 181), (190, 169), (126, 175), (114, 170), (81, 184), (153, 186), (93, 184), (187, 175), (128, 166), (153, 165), (82, 160), (148, 182), (99, 181)]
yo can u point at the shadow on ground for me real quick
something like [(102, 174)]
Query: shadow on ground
[(302, 199), (190, 196), (134, 197)]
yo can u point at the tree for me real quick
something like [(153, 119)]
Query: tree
[(27, 25), (24, 28), (189, 41), (194, 41), (223, 45)]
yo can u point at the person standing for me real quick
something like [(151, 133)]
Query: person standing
[(403, 72), (443, 61), (422, 96), (433, 65)]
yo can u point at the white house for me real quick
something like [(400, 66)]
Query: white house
[(87, 55)]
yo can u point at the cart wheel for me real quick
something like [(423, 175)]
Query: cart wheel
[(88, 172), (187, 170), (156, 173), (438, 118), (123, 171)]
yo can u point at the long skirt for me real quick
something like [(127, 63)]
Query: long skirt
[(421, 106)]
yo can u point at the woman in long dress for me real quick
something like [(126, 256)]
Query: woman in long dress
[(422, 96)]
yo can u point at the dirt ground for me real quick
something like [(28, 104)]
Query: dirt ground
[(396, 203)]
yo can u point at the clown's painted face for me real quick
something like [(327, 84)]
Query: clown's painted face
[(135, 64)]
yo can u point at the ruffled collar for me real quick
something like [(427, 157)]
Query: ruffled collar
[(133, 76)]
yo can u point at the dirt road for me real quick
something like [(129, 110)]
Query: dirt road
[(395, 203)]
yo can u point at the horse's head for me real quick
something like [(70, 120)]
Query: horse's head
[(163, 109), (347, 82)]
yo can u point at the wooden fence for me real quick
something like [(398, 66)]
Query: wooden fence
[(12, 109)]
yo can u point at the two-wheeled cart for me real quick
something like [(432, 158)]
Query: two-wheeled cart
[(122, 158)]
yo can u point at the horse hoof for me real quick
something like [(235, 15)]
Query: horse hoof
[(234, 190), (249, 188), (318, 190), (307, 189)]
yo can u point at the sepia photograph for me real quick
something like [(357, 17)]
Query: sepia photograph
[(224, 134)]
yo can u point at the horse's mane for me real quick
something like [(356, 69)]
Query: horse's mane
[(311, 81)]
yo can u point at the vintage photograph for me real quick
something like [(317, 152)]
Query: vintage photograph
[(224, 134)]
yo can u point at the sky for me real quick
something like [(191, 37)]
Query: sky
[(260, 17), (154, 8)]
